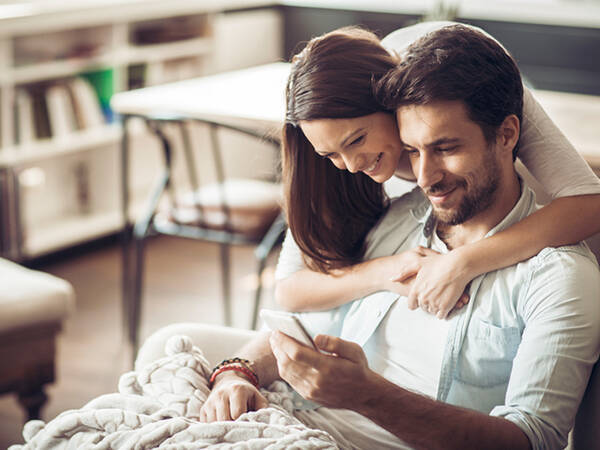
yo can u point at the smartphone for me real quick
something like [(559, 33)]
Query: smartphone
[(288, 324)]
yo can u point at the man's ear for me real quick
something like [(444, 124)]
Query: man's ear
[(508, 133)]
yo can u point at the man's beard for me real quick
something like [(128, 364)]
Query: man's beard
[(478, 198)]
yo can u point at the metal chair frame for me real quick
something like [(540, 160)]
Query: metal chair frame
[(146, 225)]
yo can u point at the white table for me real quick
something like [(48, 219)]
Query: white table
[(255, 97)]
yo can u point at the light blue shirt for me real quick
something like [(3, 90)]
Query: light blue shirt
[(524, 346)]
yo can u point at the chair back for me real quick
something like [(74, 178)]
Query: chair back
[(586, 432)]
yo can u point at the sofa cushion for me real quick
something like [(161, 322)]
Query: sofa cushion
[(29, 297)]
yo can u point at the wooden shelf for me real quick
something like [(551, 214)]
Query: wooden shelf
[(56, 69), (70, 230), (74, 229), (51, 148), (35, 31), (163, 52)]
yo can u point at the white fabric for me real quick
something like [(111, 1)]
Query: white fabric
[(543, 148), (408, 347), (159, 406), (29, 297), (350, 429)]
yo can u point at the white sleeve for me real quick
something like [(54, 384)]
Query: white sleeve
[(550, 157), (290, 258)]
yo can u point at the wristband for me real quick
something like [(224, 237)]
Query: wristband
[(249, 373), (243, 362)]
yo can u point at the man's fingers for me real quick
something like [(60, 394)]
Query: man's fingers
[(285, 346), (260, 402), (345, 349), (238, 405), (207, 413), (222, 411)]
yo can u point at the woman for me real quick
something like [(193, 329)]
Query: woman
[(330, 209)]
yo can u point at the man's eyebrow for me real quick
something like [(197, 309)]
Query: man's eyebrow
[(350, 136), (443, 141)]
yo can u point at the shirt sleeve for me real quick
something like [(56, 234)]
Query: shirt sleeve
[(290, 258), (559, 346), (550, 157)]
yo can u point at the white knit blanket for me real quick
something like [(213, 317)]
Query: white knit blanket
[(159, 406)]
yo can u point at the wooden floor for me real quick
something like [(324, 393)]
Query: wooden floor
[(182, 284)]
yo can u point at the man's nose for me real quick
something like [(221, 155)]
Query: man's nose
[(429, 172), (354, 162)]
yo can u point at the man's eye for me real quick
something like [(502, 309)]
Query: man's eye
[(446, 149), (358, 140)]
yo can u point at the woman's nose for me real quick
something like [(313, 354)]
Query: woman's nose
[(355, 163)]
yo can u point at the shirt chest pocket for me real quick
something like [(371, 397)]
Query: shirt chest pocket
[(487, 354)]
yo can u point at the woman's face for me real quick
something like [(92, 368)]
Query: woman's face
[(368, 144)]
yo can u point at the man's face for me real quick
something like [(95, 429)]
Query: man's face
[(454, 165)]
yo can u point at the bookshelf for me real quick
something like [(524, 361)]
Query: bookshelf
[(59, 65)]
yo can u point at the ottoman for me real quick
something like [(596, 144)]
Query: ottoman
[(33, 305)]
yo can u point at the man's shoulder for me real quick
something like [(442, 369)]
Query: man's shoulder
[(567, 257), (570, 270)]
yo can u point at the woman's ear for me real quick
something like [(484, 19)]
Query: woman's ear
[(508, 133)]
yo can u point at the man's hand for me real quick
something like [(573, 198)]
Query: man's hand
[(232, 395), (339, 379)]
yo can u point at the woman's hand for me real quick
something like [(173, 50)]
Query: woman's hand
[(397, 272), (440, 282)]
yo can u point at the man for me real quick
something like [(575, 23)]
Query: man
[(507, 371)]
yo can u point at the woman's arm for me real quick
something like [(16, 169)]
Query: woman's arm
[(307, 290), (442, 278), (572, 215)]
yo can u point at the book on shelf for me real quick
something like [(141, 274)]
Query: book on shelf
[(102, 82), (61, 114), (40, 114), (24, 119), (88, 112)]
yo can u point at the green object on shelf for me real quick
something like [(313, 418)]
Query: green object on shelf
[(103, 83)]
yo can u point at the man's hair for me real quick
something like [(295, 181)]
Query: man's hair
[(330, 211), (457, 63)]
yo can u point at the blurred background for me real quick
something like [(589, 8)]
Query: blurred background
[(61, 62)]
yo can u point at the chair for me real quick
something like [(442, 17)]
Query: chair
[(227, 211), (586, 433)]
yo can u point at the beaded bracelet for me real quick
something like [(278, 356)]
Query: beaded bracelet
[(249, 373), (241, 361)]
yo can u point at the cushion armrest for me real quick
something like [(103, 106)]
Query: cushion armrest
[(216, 342)]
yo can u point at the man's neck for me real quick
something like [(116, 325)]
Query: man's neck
[(478, 226)]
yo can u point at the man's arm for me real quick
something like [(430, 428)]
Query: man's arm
[(342, 379), (232, 393)]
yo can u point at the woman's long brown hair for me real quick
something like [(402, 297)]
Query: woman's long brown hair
[(330, 211)]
